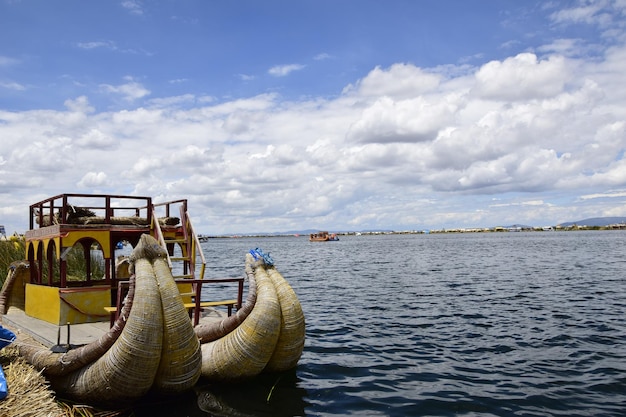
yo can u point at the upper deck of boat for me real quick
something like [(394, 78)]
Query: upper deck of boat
[(66, 212)]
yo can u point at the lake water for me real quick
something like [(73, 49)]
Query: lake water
[(489, 324)]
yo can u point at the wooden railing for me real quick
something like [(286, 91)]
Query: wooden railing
[(192, 243), (197, 303), (57, 209)]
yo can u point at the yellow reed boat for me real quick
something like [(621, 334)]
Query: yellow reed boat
[(129, 321)]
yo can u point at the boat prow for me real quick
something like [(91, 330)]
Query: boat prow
[(269, 339)]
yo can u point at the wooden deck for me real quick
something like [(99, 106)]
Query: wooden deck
[(49, 334)]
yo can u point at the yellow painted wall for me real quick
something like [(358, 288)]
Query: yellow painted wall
[(42, 302), (58, 306), (85, 306)]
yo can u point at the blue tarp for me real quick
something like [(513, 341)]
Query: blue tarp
[(4, 389), (6, 338), (258, 253)]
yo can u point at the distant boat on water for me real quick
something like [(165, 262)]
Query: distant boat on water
[(323, 237)]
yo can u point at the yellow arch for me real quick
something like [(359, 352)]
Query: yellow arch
[(69, 240), (101, 237)]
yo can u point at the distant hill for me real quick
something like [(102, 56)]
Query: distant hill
[(596, 221), (518, 226)]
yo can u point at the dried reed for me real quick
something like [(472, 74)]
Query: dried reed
[(30, 394)]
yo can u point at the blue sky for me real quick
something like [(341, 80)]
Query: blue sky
[(228, 49), (279, 115)]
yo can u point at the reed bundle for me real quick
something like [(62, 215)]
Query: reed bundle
[(127, 370), (179, 369), (291, 340), (245, 351)]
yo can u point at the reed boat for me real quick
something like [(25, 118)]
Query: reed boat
[(323, 237), (138, 321)]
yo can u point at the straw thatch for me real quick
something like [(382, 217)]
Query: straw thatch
[(245, 351), (31, 396), (29, 392)]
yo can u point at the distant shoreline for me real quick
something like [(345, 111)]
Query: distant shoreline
[(425, 232)]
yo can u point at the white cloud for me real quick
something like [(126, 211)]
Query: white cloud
[(591, 13), (172, 101), (95, 139), (408, 120), (522, 138), (246, 77), (80, 104), (145, 166), (284, 70), (608, 194), (322, 57), (522, 77), (400, 80), (12, 86), (93, 180), (129, 91), (565, 47), (194, 156), (97, 44), (133, 6)]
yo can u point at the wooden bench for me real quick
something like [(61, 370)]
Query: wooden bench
[(197, 301), (112, 311), (229, 304)]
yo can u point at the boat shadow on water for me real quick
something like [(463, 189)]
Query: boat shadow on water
[(273, 395)]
